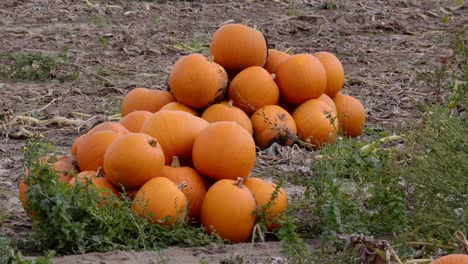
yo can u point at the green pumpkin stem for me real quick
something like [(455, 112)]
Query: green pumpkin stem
[(153, 142), (175, 162)]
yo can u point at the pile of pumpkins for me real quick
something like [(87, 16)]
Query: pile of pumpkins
[(188, 152)]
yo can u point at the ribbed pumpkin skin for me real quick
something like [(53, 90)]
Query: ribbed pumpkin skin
[(272, 123), (225, 111), (452, 259), (75, 145), (236, 47), (252, 89), (334, 70), (326, 99), (300, 78), (101, 183), (196, 189), (175, 131), (108, 125), (262, 192), (145, 99), (224, 150), (274, 59), (160, 198), (132, 160), (134, 120), (196, 82), (90, 152), (351, 114), (316, 122), (176, 106), (227, 208)]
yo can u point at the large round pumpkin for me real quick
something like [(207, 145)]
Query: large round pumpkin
[(351, 114), (452, 259), (334, 71), (225, 111), (175, 131), (161, 201), (237, 46), (197, 82), (224, 150), (90, 152), (300, 78), (316, 122), (75, 145), (263, 192), (252, 89), (271, 124), (326, 99), (145, 99), (134, 120), (176, 106), (132, 160), (194, 191), (228, 210), (274, 59), (101, 183)]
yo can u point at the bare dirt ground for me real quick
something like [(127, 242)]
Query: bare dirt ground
[(387, 49)]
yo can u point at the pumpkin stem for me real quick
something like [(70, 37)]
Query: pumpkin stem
[(100, 172), (182, 185), (229, 104), (153, 142), (273, 76), (175, 162), (239, 182)]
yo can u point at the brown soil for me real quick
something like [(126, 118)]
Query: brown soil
[(387, 47)]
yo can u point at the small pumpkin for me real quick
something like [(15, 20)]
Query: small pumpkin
[(274, 59), (326, 99), (132, 160), (252, 89), (195, 190), (224, 150), (334, 71), (175, 131), (351, 114), (228, 210), (141, 98), (108, 125), (134, 120), (176, 106), (101, 183), (197, 82), (316, 122), (90, 152), (263, 192), (237, 46), (64, 166), (301, 77), (161, 201), (452, 259), (225, 111), (272, 123)]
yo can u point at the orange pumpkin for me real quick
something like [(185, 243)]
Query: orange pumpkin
[(197, 82), (64, 166), (145, 99), (252, 89), (132, 160), (300, 78), (351, 114), (175, 131), (262, 192), (101, 183), (75, 145), (326, 99), (272, 123), (108, 125), (225, 111), (195, 190), (161, 201), (452, 259), (236, 47), (228, 210), (316, 122), (176, 106), (23, 188), (274, 59), (134, 120), (334, 71), (90, 152), (224, 150)]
